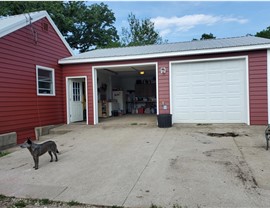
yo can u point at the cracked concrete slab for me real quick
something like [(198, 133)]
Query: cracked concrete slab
[(136, 166)]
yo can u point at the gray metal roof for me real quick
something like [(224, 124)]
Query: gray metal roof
[(10, 24), (169, 48)]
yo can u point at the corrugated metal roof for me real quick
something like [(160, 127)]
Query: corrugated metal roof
[(10, 24), (169, 48)]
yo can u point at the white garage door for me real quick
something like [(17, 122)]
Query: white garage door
[(209, 92)]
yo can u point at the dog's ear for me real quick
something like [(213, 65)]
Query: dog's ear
[(29, 140)]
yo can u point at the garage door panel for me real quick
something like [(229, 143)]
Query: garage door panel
[(186, 91), (199, 102), (182, 115), (216, 116), (215, 88), (233, 88), (214, 77), (232, 76), (183, 103), (198, 78), (199, 115), (216, 101), (198, 89), (232, 116), (209, 92), (233, 102)]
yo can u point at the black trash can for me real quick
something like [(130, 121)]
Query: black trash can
[(115, 113), (164, 120)]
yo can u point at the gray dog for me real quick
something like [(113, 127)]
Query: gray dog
[(37, 150)]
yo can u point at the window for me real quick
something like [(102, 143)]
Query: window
[(45, 81), (76, 91)]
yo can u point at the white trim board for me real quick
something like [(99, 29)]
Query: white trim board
[(124, 65), (268, 83), (95, 96), (157, 88)]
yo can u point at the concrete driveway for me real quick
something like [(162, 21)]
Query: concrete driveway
[(137, 165)]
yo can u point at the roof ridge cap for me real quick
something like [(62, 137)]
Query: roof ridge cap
[(16, 15), (171, 43)]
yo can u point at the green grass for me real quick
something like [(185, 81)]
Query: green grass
[(2, 154), (2, 197), (178, 206), (73, 203), (20, 204), (155, 206), (45, 201), (174, 206)]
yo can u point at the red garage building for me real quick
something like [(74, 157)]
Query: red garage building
[(210, 81)]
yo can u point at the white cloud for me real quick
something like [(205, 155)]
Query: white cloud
[(169, 24), (165, 32), (232, 19)]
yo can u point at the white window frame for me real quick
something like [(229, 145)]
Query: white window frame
[(53, 80)]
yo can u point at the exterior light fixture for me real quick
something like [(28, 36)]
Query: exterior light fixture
[(141, 72), (163, 70)]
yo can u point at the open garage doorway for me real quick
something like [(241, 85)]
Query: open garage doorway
[(125, 90)]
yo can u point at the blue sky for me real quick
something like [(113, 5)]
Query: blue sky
[(179, 21)]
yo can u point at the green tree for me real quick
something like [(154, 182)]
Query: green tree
[(84, 27), (93, 27), (206, 36), (264, 33), (140, 32)]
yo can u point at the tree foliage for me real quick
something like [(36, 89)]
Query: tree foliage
[(205, 36), (140, 32), (84, 27), (264, 33)]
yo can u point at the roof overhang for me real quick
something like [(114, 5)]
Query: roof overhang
[(163, 55)]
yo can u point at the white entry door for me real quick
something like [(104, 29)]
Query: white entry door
[(75, 100)]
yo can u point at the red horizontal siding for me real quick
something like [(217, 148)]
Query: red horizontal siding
[(80, 70), (257, 63), (21, 110), (163, 88)]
